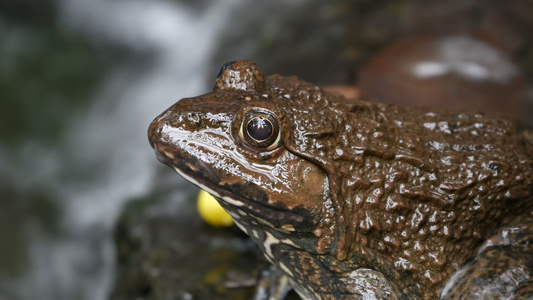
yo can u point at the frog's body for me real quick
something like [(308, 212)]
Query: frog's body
[(351, 199)]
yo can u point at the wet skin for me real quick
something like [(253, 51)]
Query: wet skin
[(351, 199)]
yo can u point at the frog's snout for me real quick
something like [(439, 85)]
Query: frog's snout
[(155, 137), (154, 131)]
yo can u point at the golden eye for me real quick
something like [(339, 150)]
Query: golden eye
[(260, 130)]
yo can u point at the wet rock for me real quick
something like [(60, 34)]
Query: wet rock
[(457, 71), (165, 251), (505, 24)]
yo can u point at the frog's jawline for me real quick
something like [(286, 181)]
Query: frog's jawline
[(250, 208), (215, 194), (234, 203), (193, 176)]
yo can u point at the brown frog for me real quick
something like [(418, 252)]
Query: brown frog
[(359, 200)]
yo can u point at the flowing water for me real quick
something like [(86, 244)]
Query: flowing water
[(102, 160)]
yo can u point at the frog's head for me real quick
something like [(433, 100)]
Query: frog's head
[(235, 143)]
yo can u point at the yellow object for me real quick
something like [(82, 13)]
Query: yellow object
[(211, 211)]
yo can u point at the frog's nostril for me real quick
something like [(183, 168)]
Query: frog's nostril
[(193, 117)]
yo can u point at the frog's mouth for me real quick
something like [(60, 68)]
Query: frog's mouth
[(246, 202)]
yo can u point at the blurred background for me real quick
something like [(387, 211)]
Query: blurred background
[(80, 81)]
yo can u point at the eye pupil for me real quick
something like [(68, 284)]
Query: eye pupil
[(259, 128)]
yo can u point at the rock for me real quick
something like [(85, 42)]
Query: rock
[(165, 251), (457, 71)]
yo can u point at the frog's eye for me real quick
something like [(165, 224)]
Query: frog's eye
[(260, 130)]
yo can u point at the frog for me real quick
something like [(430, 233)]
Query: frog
[(353, 199)]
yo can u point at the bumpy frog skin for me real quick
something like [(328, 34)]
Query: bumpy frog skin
[(359, 200)]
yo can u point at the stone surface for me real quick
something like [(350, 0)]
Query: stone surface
[(454, 71), (165, 251)]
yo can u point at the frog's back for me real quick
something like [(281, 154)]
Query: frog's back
[(419, 189), (427, 188)]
